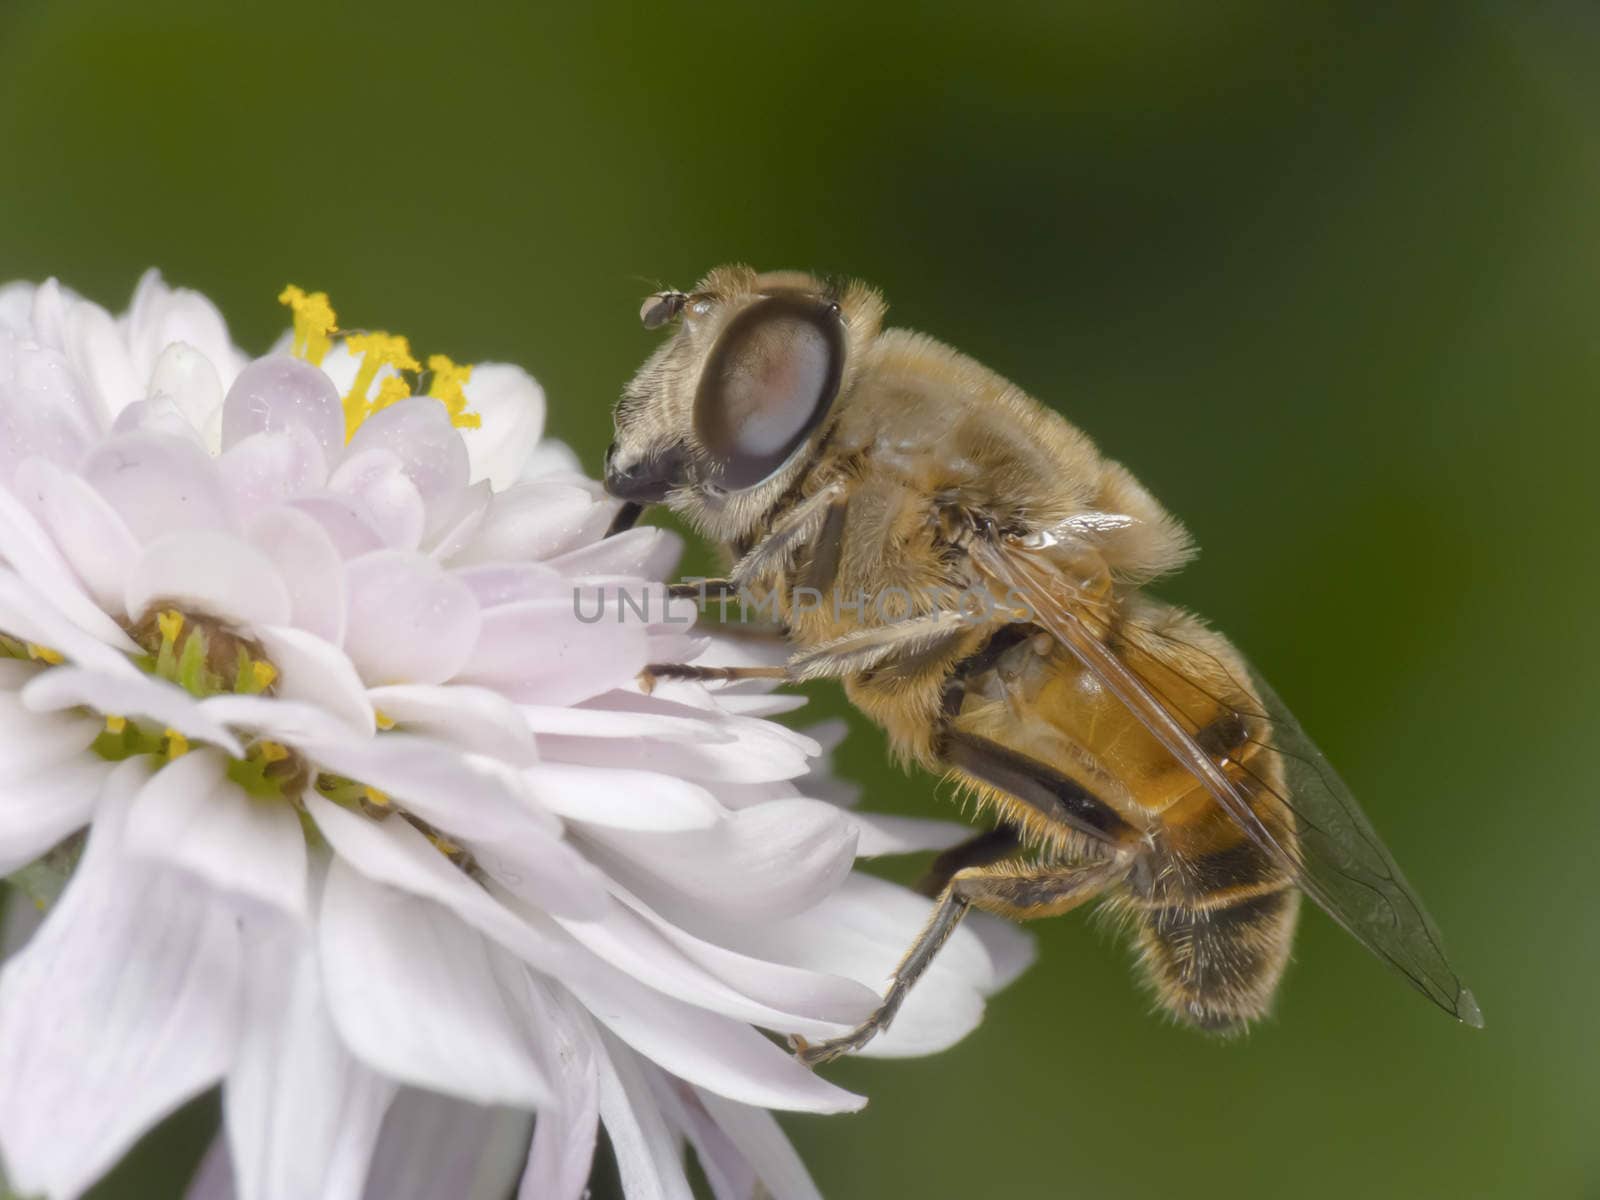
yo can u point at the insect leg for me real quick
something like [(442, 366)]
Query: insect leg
[(798, 528), (656, 672), (1019, 892), (627, 517), (985, 849)]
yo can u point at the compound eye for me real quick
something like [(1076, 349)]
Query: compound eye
[(768, 382), (660, 308)]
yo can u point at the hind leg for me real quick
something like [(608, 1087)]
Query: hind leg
[(1018, 891)]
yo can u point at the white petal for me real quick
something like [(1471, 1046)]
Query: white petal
[(476, 719), (342, 521), (500, 583), (98, 352), (625, 799), (879, 833), (129, 696), (648, 1158), (765, 1146), (644, 552), (216, 574), (537, 652), (279, 392), (601, 722), (413, 993), (551, 460), (376, 482), (309, 565), (409, 622), (760, 863), (302, 1115), (766, 754), (124, 1004), (160, 315), (565, 1134), (454, 519), (185, 378), (31, 741), (536, 521), (268, 468), (730, 1176), (44, 410), (433, 1147), (29, 550), (191, 816), (28, 616), (85, 528), (418, 432), (157, 415), (511, 407), (312, 671), (38, 810), (158, 484)]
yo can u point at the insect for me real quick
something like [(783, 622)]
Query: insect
[(973, 570)]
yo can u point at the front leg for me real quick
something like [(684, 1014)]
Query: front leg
[(1019, 892)]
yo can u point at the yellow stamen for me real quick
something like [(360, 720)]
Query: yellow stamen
[(170, 622), (263, 673), (448, 386), (177, 744), (44, 654), (391, 391), (381, 799), (385, 721), (115, 724), (378, 350), (314, 322), (272, 752)]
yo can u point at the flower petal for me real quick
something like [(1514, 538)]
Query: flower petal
[(191, 816), (216, 574), (38, 810), (414, 995), (313, 671), (409, 621), (158, 484), (565, 1134), (129, 696), (29, 550), (764, 1145), (537, 521), (302, 1115), (160, 315), (28, 616), (342, 521), (187, 380), (510, 405), (418, 432), (433, 1146), (278, 393), (85, 528), (310, 566), (476, 719), (268, 468), (624, 799), (648, 1157), (537, 652), (376, 482), (44, 411), (124, 1004)]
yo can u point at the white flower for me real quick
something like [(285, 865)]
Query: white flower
[(381, 833)]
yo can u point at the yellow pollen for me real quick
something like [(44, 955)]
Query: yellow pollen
[(377, 350), (391, 391), (448, 386), (272, 752), (44, 654), (444, 845), (381, 799), (177, 744), (115, 724), (385, 721), (263, 673), (170, 622), (314, 322)]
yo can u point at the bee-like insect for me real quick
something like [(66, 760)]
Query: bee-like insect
[(973, 570)]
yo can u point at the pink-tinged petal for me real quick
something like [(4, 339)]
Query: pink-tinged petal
[(537, 652), (16, 308), (157, 415), (302, 1115), (213, 1178), (342, 521), (313, 671), (29, 617), (510, 406), (722, 1055), (43, 409), (123, 1005), (503, 583), (160, 315), (753, 704), (49, 317), (565, 1134), (414, 995), (95, 347), (758, 864), (288, 721), (192, 817), (270, 468), (649, 1160), (432, 1147), (764, 1145), (217, 574), (621, 798), (28, 549), (394, 853), (454, 518), (418, 432), (132, 696), (278, 393), (409, 621), (84, 527), (476, 719), (601, 722), (310, 566), (762, 755), (158, 484), (31, 741), (377, 484), (39, 809), (879, 833), (185, 378), (730, 1176), (536, 521), (642, 553), (552, 460)]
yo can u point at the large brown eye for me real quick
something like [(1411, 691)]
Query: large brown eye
[(767, 384)]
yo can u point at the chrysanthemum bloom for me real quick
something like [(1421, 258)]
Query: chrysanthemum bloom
[(361, 811)]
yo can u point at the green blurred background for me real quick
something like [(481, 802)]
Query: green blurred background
[(1326, 276)]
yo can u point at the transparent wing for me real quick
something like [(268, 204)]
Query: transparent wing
[(1337, 858)]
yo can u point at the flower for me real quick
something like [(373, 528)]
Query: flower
[(363, 818)]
